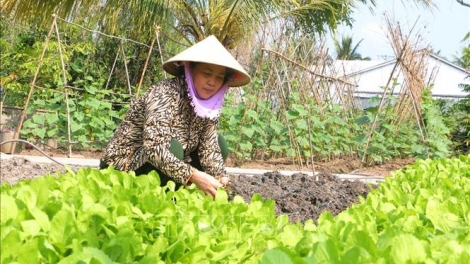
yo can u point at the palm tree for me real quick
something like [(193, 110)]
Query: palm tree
[(189, 20), (345, 50), (464, 60)]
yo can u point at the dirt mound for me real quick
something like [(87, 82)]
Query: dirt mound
[(299, 195), (17, 168)]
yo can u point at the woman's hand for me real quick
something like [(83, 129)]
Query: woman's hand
[(225, 181), (207, 183)]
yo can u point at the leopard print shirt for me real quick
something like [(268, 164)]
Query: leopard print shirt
[(164, 112)]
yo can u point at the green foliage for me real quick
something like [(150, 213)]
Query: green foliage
[(464, 59), (459, 113), (254, 126), (437, 142), (345, 50), (252, 130), (285, 133), (110, 216), (93, 117), (389, 139), (96, 82), (20, 50), (457, 116), (420, 215), (231, 20)]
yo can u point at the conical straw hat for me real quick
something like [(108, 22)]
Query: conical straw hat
[(209, 50)]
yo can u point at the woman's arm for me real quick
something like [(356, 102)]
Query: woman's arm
[(209, 150), (161, 106)]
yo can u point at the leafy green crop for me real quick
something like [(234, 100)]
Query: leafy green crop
[(420, 215), (110, 216)]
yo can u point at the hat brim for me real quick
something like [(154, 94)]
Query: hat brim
[(209, 50)]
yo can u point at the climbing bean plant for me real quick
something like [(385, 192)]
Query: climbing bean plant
[(303, 131)]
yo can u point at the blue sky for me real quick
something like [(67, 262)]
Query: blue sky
[(443, 27)]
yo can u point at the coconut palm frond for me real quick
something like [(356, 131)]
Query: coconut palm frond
[(188, 20)]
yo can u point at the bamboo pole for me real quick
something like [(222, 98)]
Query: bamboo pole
[(112, 70), (282, 103), (374, 122), (1, 107), (31, 86), (100, 33), (403, 49), (121, 47), (307, 69), (64, 83), (309, 124), (157, 30)]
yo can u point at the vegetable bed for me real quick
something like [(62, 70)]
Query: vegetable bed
[(419, 215)]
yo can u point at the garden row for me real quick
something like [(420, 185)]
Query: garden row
[(420, 215)]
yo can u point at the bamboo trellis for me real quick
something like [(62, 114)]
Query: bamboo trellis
[(327, 84), (410, 62), (121, 52)]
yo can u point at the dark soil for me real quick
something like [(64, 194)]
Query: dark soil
[(18, 168), (300, 196)]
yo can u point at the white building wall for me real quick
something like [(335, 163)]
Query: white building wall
[(446, 78)]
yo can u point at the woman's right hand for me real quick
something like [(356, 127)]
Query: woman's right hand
[(205, 182)]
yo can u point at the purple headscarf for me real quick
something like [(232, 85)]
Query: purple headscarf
[(210, 107)]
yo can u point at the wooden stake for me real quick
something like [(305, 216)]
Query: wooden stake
[(64, 83), (31, 86), (148, 59)]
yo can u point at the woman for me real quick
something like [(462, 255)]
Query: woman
[(172, 128)]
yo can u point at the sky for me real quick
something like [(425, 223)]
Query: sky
[(443, 27)]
